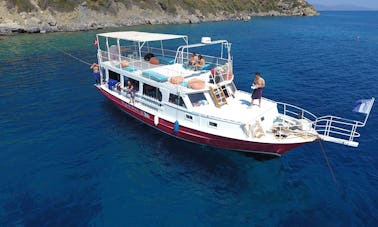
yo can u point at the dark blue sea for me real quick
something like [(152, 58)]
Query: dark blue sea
[(68, 157)]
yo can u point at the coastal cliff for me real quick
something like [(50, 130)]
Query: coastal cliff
[(39, 16)]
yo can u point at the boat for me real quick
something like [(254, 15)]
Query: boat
[(203, 105)]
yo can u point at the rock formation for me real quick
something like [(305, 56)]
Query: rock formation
[(37, 17)]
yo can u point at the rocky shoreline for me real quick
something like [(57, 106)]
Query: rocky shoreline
[(83, 18)]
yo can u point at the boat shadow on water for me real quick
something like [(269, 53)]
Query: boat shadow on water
[(195, 161)]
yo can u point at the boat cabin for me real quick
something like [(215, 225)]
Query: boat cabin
[(160, 75)]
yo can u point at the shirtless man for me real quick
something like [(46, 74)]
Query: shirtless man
[(201, 62), (258, 85), (192, 61)]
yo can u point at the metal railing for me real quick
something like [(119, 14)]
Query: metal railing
[(295, 112), (337, 127), (331, 128), (115, 60), (220, 71)]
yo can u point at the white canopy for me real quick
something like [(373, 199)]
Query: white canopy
[(141, 36)]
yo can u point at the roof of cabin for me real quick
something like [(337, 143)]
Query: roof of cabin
[(141, 36)]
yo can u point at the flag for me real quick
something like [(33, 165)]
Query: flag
[(363, 106), (95, 42)]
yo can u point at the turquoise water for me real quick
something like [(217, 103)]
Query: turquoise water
[(70, 158)]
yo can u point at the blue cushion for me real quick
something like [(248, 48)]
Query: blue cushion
[(155, 76), (166, 60), (184, 84), (205, 67), (130, 69)]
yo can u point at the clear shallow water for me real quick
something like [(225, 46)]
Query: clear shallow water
[(70, 158)]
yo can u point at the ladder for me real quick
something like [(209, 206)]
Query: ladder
[(218, 96)]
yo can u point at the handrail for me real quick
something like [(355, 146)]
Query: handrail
[(106, 56), (301, 115), (341, 119), (331, 128)]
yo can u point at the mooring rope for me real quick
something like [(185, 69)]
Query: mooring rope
[(72, 56), (329, 166)]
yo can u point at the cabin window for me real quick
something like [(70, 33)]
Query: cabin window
[(213, 124), (175, 99), (198, 99), (189, 117), (152, 92), (135, 83), (114, 76), (125, 79)]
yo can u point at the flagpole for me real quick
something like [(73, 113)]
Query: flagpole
[(368, 113)]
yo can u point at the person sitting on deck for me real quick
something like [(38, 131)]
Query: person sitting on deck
[(192, 61), (96, 72), (201, 62)]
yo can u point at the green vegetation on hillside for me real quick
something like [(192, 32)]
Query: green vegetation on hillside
[(60, 5), (22, 5), (169, 6)]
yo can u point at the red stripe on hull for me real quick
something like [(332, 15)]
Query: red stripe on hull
[(199, 137)]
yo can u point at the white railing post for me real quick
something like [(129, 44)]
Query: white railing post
[(326, 132), (351, 137)]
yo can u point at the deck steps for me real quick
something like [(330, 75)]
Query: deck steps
[(218, 96)]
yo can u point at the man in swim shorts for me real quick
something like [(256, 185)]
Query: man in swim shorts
[(257, 86)]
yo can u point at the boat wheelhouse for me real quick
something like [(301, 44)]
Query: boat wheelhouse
[(202, 104)]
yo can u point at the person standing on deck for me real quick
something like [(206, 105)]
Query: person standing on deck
[(96, 72), (257, 86)]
